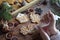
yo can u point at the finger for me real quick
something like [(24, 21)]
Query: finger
[(51, 16), (39, 28), (46, 18)]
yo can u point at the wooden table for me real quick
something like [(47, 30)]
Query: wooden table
[(27, 37)]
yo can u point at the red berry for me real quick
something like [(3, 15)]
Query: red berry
[(31, 10), (10, 24)]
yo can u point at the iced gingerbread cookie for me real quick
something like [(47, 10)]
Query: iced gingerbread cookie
[(22, 18), (35, 18), (27, 29)]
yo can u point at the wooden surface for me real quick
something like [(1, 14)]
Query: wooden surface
[(34, 36)]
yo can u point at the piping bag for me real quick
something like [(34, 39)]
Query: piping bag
[(25, 7)]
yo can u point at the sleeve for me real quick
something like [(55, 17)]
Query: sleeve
[(56, 37)]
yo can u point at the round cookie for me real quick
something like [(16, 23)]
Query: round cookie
[(20, 1), (11, 1), (2, 1), (29, 1)]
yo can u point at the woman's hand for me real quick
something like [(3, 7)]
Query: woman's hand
[(51, 29), (49, 18), (43, 34)]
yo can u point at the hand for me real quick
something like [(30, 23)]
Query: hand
[(51, 29), (49, 18), (43, 34)]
